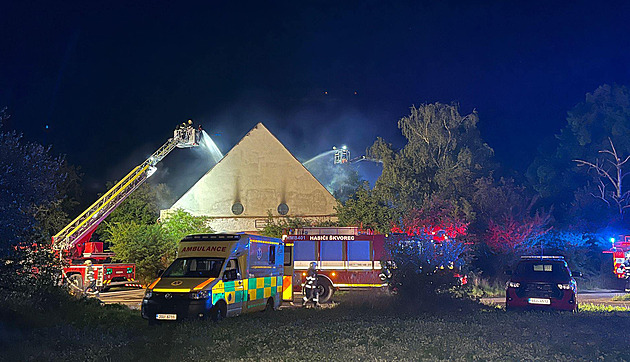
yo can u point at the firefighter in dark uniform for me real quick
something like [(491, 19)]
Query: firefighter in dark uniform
[(312, 293), (626, 271)]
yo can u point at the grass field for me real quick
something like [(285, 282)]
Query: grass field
[(364, 327)]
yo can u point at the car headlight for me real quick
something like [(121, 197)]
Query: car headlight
[(513, 284), (564, 286), (148, 294), (202, 294)]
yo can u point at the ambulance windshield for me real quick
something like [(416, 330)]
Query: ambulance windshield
[(194, 268)]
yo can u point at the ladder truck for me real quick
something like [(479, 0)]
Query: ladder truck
[(73, 243)]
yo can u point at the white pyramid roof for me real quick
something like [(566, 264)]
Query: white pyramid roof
[(260, 173)]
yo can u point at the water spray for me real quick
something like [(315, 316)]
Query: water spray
[(318, 157), (208, 144)]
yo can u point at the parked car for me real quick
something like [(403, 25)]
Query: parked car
[(541, 282)]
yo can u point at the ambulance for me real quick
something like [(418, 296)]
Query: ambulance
[(216, 276)]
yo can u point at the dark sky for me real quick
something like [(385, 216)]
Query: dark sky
[(112, 78)]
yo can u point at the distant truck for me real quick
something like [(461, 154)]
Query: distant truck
[(620, 251), (219, 275), (346, 257)]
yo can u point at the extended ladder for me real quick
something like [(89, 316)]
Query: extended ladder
[(81, 229)]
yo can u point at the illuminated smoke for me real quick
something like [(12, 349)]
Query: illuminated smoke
[(340, 180)]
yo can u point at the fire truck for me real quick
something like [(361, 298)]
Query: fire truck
[(620, 251), (73, 243), (346, 257)]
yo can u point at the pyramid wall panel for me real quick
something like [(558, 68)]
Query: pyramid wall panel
[(260, 173)]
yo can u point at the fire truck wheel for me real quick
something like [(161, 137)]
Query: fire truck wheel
[(218, 312), (75, 285), (325, 290)]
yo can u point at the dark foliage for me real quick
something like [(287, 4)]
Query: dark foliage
[(424, 271), (29, 183)]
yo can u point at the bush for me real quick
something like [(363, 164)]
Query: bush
[(425, 271), (32, 275), (147, 246), (152, 247)]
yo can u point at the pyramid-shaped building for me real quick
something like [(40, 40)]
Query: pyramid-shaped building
[(257, 177)]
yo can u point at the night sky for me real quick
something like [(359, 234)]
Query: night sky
[(112, 79)]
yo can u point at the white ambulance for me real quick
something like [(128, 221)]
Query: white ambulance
[(218, 275)]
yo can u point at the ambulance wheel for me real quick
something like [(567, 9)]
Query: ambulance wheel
[(325, 290), (218, 312), (269, 307)]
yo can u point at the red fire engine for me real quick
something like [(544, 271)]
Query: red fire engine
[(621, 253), (346, 257), (73, 242)]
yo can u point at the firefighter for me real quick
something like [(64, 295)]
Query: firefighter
[(312, 293), (626, 271), (91, 280)]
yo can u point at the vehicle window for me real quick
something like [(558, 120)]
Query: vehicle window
[(272, 254), (231, 270), (359, 250), (194, 268), (331, 250), (304, 250), (543, 271), (288, 256)]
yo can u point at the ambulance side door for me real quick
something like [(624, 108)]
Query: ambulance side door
[(233, 286)]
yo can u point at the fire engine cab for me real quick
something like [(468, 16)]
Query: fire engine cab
[(621, 258), (346, 257)]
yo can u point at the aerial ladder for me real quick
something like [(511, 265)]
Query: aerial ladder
[(73, 241)]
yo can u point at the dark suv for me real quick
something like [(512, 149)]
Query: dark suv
[(542, 282)]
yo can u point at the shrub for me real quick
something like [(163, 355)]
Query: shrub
[(425, 271)]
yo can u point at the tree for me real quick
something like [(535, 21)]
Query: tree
[(367, 210), (54, 216), (147, 246), (514, 233), (438, 220), (142, 206), (180, 223), (610, 172), (604, 114), (30, 179), (444, 154), (152, 246)]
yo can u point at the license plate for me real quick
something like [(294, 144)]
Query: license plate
[(543, 301), (166, 317)]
